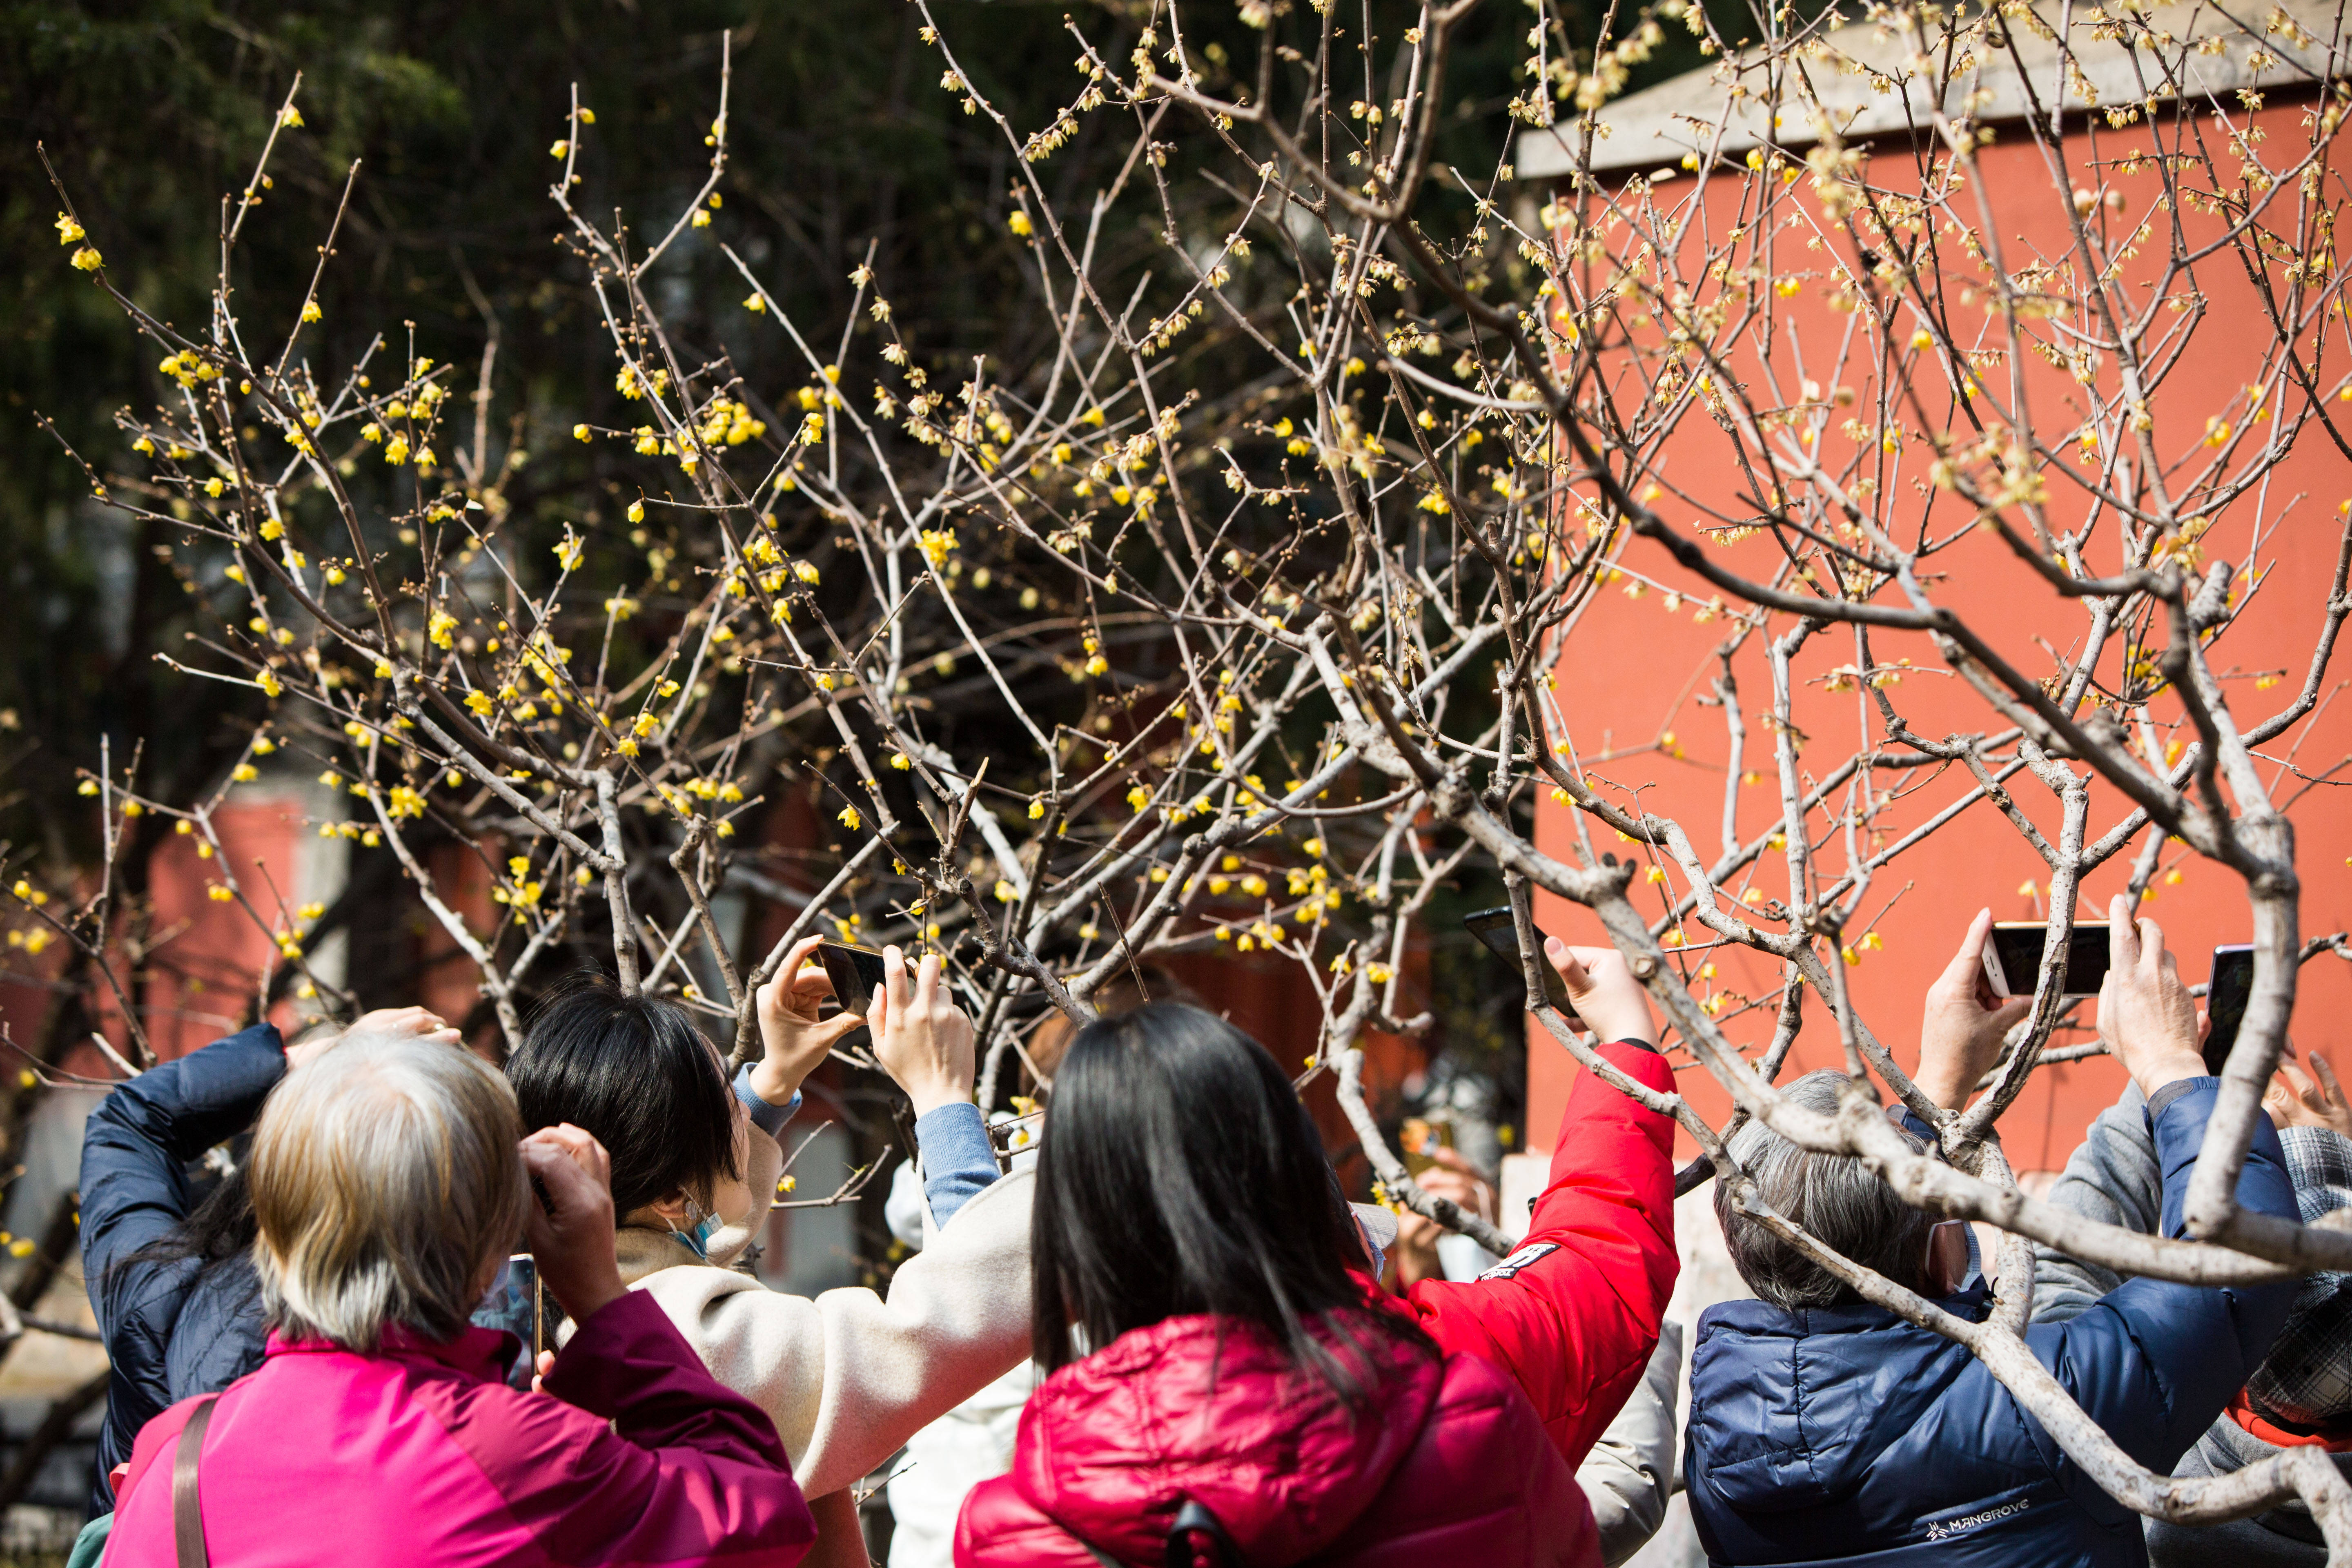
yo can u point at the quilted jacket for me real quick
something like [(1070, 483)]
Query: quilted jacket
[(1446, 1462), (1845, 1435), (420, 1454)]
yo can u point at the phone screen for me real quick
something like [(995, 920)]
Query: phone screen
[(2013, 957), (2225, 1001), (1499, 934), (855, 973)]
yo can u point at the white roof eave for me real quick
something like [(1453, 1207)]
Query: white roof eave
[(1856, 69)]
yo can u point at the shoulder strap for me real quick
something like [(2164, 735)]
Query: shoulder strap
[(187, 1521)]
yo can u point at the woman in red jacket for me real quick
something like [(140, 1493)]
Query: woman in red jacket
[(1255, 1400)]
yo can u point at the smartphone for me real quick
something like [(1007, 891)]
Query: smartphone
[(2225, 1001), (855, 973), (2012, 958), (518, 1304), (1499, 934), (1420, 1140)]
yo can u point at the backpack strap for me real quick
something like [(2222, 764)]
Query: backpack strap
[(187, 1521), (1197, 1541)]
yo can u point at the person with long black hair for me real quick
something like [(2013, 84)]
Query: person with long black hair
[(171, 1279), (1225, 1381), (849, 1375)]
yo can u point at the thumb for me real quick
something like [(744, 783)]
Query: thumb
[(834, 1030), (1969, 960), (1563, 958), (2005, 1018)]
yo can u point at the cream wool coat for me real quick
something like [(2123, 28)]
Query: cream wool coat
[(849, 1375)]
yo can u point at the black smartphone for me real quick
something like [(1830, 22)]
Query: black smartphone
[(855, 973), (1499, 934), (2012, 958), (2225, 1001)]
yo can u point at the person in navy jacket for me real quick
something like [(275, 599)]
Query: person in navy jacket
[(1823, 1429), (171, 1280)]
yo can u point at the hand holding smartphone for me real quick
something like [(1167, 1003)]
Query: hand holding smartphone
[(1499, 933)]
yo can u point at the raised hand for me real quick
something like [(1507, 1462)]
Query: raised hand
[(794, 1037), (422, 1022), (2147, 1016), (1963, 1023), (2314, 1099), (568, 1224), (1604, 992), (921, 1039)]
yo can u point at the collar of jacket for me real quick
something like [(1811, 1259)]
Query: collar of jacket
[(1751, 1316), (483, 1354), (2336, 1436), (642, 1250)]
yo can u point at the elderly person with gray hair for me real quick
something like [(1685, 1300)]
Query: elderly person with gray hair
[(389, 1182), (2301, 1397), (1824, 1428), (171, 1279)]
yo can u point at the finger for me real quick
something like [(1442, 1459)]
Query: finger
[(2123, 940), (2326, 1075), (800, 971), (2151, 955), (2005, 1018), (927, 985), (895, 978), (834, 1030), (1968, 964), (2303, 1085), (575, 1145), (1453, 1160), (1564, 959)]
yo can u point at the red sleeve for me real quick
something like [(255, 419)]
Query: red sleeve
[(1573, 1314)]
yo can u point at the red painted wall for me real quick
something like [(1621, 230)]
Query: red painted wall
[(1634, 667)]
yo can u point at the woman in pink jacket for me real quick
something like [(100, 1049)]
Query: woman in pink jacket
[(377, 1432), (1254, 1399)]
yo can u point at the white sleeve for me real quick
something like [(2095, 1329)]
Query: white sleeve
[(1630, 1472)]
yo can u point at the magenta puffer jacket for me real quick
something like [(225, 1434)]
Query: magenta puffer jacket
[(635, 1455), (1447, 1463)]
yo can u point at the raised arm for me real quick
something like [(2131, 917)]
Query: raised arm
[(2155, 1362), (137, 1144), (1573, 1315)]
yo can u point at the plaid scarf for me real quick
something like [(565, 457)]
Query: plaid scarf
[(2307, 1379)]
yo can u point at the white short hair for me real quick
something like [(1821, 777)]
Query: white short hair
[(384, 1177)]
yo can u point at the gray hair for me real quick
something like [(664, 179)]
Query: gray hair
[(1834, 1196), (384, 1178)]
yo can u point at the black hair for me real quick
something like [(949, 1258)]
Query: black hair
[(220, 1229), (1180, 1173), (635, 1074)]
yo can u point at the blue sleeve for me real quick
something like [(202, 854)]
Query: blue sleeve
[(136, 1146), (2153, 1362), (768, 1118), (956, 1160)]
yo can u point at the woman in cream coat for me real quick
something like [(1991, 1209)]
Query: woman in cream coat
[(847, 1375)]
